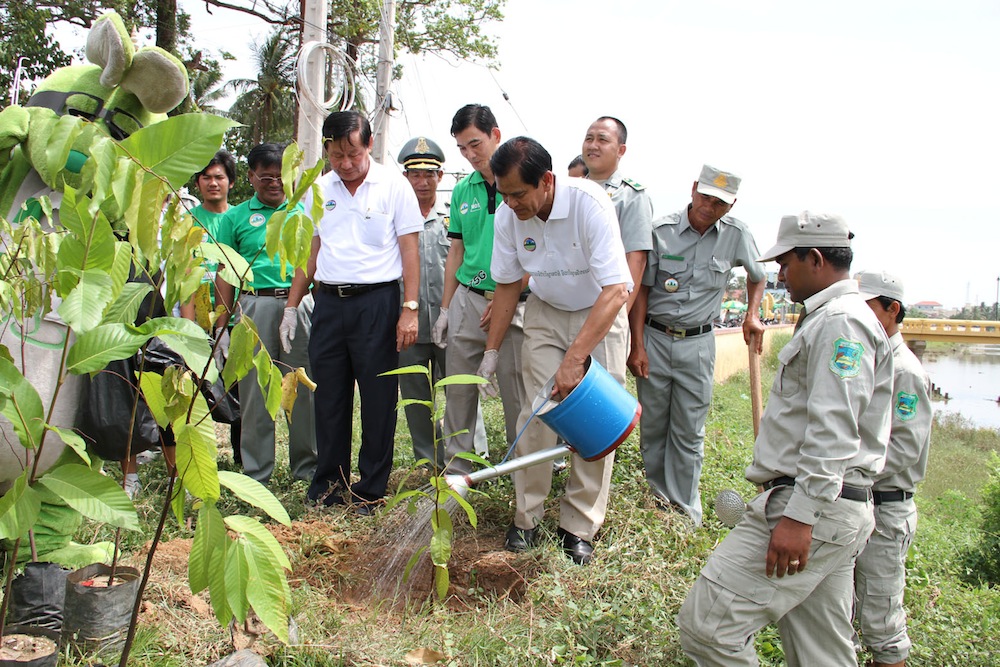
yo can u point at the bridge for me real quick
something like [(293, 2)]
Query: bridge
[(950, 331)]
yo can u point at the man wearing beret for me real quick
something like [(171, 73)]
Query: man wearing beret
[(880, 573), (673, 347), (422, 161), (822, 441)]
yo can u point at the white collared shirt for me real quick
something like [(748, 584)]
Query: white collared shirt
[(359, 233)]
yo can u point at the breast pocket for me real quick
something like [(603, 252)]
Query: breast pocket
[(718, 272), (789, 377), (375, 229)]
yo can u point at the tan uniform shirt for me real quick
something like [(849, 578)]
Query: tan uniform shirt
[(688, 272), (634, 209), (827, 418), (910, 439)]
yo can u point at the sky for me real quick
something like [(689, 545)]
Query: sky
[(883, 112)]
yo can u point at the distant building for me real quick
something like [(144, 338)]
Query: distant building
[(927, 308)]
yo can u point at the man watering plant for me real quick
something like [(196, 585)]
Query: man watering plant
[(565, 235)]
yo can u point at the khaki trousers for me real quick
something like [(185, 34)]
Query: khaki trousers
[(548, 333), (733, 597)]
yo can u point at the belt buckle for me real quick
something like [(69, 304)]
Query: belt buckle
[(678, 333), (488, 294), (340, 291), (281, 293)]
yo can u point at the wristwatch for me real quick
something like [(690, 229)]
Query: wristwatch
[(411, 305)]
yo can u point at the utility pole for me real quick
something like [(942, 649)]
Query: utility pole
[(311, 117), (997, 302), (383, 77)]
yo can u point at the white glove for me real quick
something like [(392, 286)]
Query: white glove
[(286, 330), (439, 334), (221, 350), (488, 370)]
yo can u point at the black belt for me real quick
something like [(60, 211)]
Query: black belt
[(489, 294), (855, 493), (891, 496), (679, 333), (344, 291), (276, 292)]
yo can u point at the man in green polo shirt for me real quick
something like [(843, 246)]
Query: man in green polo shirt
[(263, 300), (467, 304)]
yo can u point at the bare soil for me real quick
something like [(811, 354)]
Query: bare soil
[(24, 648)]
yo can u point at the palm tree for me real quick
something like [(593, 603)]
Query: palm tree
[(266, 104)]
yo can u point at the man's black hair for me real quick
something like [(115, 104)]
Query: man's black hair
[(473, 115), (342, 124), (224, 159), (265, 155), (578, 162), (887, 303), (529, 156), (839, 258), (622, 132)]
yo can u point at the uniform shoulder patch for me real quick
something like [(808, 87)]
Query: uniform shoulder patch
[(447, 221), (846, 359), (632, 184), (906, 405)]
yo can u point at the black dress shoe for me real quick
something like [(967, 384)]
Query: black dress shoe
[(362, 508), (577, 548), (520, 539)]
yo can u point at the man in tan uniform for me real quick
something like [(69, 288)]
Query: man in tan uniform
[(880, 573), (822, 441)]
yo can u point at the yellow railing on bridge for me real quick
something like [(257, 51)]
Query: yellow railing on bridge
[(951, 331)]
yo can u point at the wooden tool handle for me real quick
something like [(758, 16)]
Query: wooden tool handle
[(756, 400)]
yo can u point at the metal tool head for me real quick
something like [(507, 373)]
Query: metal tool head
[(730, 507)]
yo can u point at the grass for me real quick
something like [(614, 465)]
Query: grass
[(619, 610)]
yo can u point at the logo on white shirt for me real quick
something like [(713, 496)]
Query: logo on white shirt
[(330, 204), (529, 244)]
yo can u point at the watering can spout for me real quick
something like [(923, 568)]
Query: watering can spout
[(458, 483)]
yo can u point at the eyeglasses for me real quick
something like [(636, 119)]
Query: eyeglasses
[(267, 180), (120, 123)]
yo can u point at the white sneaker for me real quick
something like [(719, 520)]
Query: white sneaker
[(148, 456), (132, 485)]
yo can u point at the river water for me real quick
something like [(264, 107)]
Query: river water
[(971, 378)]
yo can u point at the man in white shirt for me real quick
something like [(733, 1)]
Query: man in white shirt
[(566, 237)]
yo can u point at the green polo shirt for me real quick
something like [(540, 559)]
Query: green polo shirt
[(472, 223), (244, 228)]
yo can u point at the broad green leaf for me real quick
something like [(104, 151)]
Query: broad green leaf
[(416, 369), (101, 164), (217, 581), (406, 402), (152, 392), (273, 400), (251, 491), (125, 308), (120, 265), (237, 575), (177, 387), (21, 405), (177, 501), (94, 349), (73, 440), (209, 536), (414, 559), (233, 268), (263, 364), (242, 341), (464, 504), (92, 494), (306, 182), (65, 132), (441, 537), (144, 227), (291, 160), (179, 146), (441, 581), (268, 594), (83, 307), (245, 525), (19, 508), (460, 379), (196, 462), (76, 556), (123, 182)]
